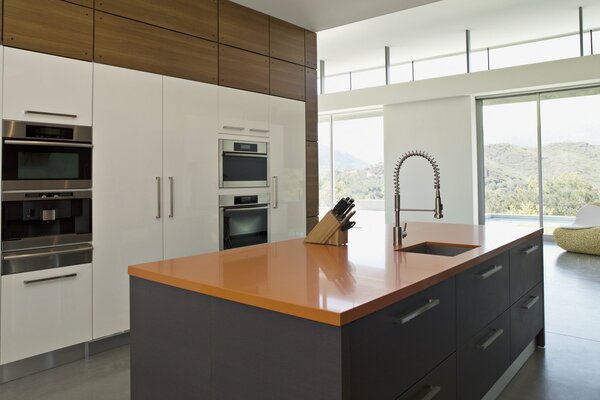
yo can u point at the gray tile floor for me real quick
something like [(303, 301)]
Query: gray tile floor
[(568, 368)]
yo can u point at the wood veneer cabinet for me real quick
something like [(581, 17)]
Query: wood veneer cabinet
[(312, 179), (49, 26), (286, 41), (85, 3), (244, 70), (131, 44), (311, 105), (194, 17), (310, 49), (243, 27), (287, 80)]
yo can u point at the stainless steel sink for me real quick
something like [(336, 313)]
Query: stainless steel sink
[(448, 250)]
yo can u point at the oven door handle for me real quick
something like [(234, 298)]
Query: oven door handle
[(237, 209), (47, 253), (243, 154), (49, 144)]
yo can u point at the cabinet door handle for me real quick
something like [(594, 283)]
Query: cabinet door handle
[(530, 249), (259, 130), (429, 304), (171, 197), (531, 302), (234, 128), (495, 269), (489, 341), (275, 192), (158, 204), (50, 113), (428, 393), (52, 278)]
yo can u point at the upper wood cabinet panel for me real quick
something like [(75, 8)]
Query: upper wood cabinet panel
[(85, 3), (243, 27), (287, 80), (310, 49), (286, 41), (194, 17), (49, 26), (130, 44), (244, 70)]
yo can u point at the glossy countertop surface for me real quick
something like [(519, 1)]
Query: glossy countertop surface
[(334, 284)]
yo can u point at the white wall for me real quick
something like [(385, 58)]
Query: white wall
[(444, 129), (438, 116)]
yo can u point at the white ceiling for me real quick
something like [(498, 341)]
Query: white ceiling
[(318, 15), (439, 28)]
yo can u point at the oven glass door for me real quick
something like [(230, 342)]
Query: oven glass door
[(244, 226), (244, 170), (36, 164)]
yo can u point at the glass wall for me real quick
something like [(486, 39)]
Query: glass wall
[(354, 168), (541, 157)]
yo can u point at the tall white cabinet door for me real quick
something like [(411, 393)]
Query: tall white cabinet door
[(243, 113), (190, 167), (44, 88), (127, 184), (288, 169)]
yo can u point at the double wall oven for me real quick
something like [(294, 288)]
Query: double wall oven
[(46, 196)]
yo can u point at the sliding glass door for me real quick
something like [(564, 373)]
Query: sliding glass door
[(540, 157)]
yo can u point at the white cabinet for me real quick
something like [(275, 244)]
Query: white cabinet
[(190, 168), (288, 169), (44, 311), (43, 88), (243, 113), (127, 180)]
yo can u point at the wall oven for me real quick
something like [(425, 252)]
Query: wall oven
[(46, 156), (243, 164), (244, 220)]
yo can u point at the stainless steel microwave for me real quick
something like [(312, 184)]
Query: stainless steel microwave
[(38, 156), (243, 164)]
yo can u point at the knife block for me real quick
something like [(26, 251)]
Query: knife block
[(327, 231)]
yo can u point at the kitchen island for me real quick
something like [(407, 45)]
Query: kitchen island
[(291, 320)]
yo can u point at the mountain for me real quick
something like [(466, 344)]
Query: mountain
[(343, 160)]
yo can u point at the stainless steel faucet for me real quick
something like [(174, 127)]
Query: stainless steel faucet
[(400, 233)]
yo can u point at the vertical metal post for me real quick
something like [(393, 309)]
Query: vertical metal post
[(468, 48), (387, 65), (591, 42), (488, 58), (581, 31), (350, 79), (322, 70), (540, 164), (412, 65)]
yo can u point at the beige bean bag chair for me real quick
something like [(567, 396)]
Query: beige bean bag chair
[(583, 236)]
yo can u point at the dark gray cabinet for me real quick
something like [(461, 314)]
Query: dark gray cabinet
[(526, 320), (395, 347), (439, 384), (525, 268)]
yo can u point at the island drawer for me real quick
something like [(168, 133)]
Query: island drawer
[(481, 295), (483, 359), (525, 268), (526, 320), (395, 347), (439, 384)]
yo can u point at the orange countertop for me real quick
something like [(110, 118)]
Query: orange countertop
[(331, 284)]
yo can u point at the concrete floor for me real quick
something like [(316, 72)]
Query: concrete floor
[(568, 368)]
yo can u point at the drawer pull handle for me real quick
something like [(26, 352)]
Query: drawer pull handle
[(50, 113), (428, 393), (489, 341), (531, 302), (489, 272), (419, 311), (233, 128), (530, 249), (259, 130), (53, 278)]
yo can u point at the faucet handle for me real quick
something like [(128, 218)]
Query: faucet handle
[(404, 233)]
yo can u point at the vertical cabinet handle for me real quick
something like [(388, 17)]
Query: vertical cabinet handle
[(275, 192), (530, 249), (171, 195), (158, 205), (489, 341)]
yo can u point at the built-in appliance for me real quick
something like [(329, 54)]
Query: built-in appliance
[(244, 220), (243, 164), (38, 156)]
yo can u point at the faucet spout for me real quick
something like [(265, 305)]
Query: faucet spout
[(400, 233)]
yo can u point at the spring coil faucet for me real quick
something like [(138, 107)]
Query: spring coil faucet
[(400, 233)]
